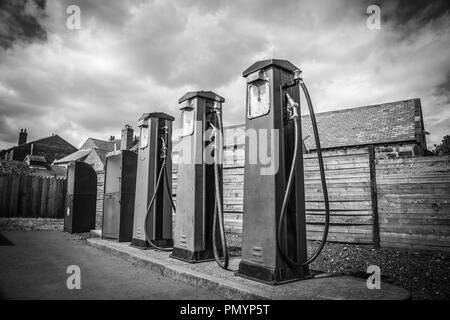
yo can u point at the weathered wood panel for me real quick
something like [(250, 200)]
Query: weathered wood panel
[(32, 196), (412, 198), (414, 202), (348, 182)]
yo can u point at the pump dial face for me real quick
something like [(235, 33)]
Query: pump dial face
[(188, 122), (258, 99), (144, 137)]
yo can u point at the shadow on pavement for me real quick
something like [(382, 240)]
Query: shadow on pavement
[(5, 241)]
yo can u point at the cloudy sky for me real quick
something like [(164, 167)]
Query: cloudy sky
[(131, 57)]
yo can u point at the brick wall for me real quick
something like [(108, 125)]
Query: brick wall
[(94, 160)]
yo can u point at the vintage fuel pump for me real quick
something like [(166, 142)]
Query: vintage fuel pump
[(81, 198), (274, 224), (153, 201), (199, 191), (118, 203)]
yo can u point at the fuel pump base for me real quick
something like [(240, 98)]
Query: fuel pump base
[(195, 186)]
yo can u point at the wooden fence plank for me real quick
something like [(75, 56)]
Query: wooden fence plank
[(14, 198), (36, 190), (24, 199), (52, 199), (62, 197), (4, 203), (44, 197)]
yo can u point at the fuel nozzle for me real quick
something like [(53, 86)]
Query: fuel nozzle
[(292, 107), (297, 75), (164, 138)]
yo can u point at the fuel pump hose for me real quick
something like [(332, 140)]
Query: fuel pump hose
[(290, 181), (218, 208), (162, 172)]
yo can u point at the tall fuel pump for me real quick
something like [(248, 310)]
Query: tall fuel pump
[(153, 195), (199, 220), (274, 248), (118, 203)]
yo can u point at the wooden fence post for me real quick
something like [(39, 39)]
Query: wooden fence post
[(374, 196)]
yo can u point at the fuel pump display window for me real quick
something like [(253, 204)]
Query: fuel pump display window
[(144, 137), (258, 99), (188, 122)]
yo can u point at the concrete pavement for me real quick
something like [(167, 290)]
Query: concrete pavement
[(208, 275), (33, 265)]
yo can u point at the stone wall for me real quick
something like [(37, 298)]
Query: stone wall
[(396, 151)]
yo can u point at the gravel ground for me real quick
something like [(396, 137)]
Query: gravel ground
[(29, 224), (11, 224), (425, 274)]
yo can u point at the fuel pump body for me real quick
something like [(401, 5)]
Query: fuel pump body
[(159, 223), (81, 198), (118, 203), (263, 193), (195, 186)]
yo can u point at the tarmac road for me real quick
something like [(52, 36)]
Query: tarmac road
[(33, 265)]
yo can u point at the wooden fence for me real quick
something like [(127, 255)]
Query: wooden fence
[(414, 202), (349, 187), (32, 196), (392, 203), (349, 192)]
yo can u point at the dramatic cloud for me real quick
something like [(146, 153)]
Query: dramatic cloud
[(131, 57)]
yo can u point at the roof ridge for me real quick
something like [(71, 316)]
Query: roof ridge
[(360, 107), (40, 139)]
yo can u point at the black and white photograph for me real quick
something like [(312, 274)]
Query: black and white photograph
[(219, 153)]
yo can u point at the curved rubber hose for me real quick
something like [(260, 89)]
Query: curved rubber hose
[(158, 181), (322, 174), (218, 208), (169, 193), (289, 186)]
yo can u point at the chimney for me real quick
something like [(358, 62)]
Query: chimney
[(127, 137), (23, 136), (112, 138)]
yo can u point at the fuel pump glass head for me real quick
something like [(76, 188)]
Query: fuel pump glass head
[(258, 98)]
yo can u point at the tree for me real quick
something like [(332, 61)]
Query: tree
[(443, 148)]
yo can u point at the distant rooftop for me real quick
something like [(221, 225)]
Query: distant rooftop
[(398, 121), (373, 124)]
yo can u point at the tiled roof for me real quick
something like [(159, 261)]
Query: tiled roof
[(92, 143), (52, 147), (375, 124), (74, 156)]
